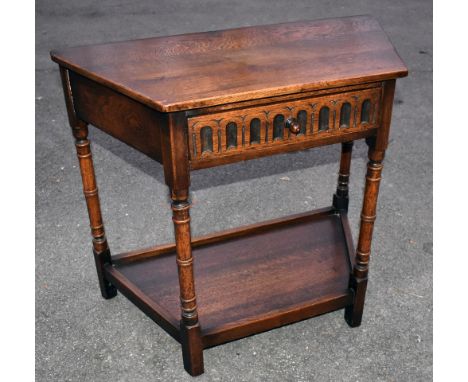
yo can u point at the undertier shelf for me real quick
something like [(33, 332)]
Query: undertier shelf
[(247, 280)]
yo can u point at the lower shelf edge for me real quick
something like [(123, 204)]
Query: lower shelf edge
[(153, 310), (248, 281), (274, 320)]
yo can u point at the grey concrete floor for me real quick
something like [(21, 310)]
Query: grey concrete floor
[(81, 337)]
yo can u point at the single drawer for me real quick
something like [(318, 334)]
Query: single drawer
[(284, 126)]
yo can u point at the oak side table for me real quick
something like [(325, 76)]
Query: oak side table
[(200, 100)]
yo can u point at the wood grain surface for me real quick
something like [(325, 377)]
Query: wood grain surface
[(213, 68), (255, 277)]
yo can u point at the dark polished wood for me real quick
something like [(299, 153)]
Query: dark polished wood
[(189, 326), (213, 68), (177, 175), (150, 307), (358, 281), (164, 249), (341, 196), (255, 280), (118, 115), (377, 145), (206, 99), (313, 130), (101, 251)]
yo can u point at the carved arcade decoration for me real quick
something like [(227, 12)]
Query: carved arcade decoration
[(228, 133)]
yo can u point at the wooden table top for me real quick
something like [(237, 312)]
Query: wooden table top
[(212, 68)]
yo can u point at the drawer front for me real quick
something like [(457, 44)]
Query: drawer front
[(267, 129)]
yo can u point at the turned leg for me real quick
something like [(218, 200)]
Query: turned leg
[(80, 132), (358, 279), (192, 349), (341, 197), (100, 247), (177, 176)]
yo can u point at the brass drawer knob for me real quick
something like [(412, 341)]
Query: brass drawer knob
[(293, 125)]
